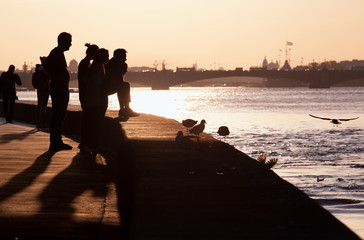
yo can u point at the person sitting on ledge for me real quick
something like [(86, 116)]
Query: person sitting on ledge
[(116, 70)]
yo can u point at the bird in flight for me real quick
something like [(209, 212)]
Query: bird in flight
[(320, 179), (334, 120), (268, 164)]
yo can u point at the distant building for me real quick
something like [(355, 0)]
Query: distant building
[(349, 65), (73, 67), (141, 69), (357, 68), (273, 66), (265, 63), (185, 69), (286, 67)]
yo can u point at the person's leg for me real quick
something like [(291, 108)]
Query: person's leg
[(59, 109), (120, 94), (43, 108), (11, 109), (92, 131), (39, 111), (124, 100), (86, 130), (6, 108)]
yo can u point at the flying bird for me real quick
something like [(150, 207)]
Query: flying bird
[(223, 131), (185, 142), (334, 120), (320, 179), (198, 129), (262, 160)]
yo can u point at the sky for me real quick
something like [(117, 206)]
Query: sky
[(209, 33)]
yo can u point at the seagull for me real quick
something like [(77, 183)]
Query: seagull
[(223, 131), (188, 123), (261, 159), (334, 120), (198, 129), (185, 142)]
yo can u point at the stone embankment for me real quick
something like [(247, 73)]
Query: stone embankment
[(144, 186)]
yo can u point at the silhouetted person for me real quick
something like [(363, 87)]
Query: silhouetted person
[(7, 89), (83, 69), (97, 101), (56, 67), (116, 70), (40, 81)]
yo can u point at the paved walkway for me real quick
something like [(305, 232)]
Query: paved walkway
[(215, 192), (52, 196)]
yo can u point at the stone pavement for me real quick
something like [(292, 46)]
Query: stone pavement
[(44, 195), (145, 187)]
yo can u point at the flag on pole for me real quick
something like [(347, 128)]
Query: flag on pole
[(289, 43)]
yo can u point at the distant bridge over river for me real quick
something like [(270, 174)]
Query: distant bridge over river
[(166, 79)]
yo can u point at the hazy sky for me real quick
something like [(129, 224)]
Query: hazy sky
[(213, 33)]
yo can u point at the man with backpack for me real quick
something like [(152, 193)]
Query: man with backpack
[(40, 81)]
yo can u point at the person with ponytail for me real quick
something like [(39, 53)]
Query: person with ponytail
[(97, 100), (83, 68)]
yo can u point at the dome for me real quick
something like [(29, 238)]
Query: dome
[(73, 66), (265, 63)]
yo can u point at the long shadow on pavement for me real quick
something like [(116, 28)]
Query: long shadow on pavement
[(16, 136), (24, 179), (56, 219)]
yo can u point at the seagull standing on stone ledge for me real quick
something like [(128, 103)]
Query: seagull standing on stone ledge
[(188, 123), (198, 129)]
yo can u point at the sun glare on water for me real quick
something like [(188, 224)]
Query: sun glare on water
[(163, 103)]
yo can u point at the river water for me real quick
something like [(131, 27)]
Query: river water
[(276, 121)]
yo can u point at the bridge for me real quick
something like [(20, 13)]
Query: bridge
[(314, 79)]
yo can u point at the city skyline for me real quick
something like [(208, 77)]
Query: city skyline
[(211, 34)]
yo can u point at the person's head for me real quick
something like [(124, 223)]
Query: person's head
[(120, 53), (64, 41), (11, 68), (101, 56), (91, 50)]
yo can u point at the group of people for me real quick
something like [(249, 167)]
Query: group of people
[(96, 81), (98, 77)]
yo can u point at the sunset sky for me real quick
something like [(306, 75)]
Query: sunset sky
[(211, 33)]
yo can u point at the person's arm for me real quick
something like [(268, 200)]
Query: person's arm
[(18, 80)]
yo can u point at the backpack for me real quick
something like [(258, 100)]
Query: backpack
[(40, 79)]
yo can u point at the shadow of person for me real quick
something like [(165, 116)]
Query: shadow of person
[(26, 177), (16, 136), (81, 175), (75, 201), (121, 161)]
